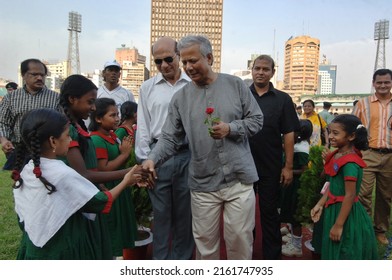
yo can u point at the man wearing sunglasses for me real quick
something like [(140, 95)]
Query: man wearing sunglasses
[(170, 197), (221, 170)]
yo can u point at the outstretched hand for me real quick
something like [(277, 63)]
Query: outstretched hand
[(139, 176)]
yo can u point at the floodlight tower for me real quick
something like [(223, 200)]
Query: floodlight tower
[(381, 33), (74, 28)]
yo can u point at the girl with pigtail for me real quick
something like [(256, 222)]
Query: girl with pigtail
[(77, 98), (127, 127), (112, 154), (347, 229), (50, 197)]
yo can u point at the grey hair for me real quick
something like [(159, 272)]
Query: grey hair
[(190, 40)]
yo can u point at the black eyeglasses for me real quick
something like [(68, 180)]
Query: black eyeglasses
[(168, 59)]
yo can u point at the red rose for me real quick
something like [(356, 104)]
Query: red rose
[(209, 110)]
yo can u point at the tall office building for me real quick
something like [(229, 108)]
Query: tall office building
[(326, 78), (301, 66), (178, 18)]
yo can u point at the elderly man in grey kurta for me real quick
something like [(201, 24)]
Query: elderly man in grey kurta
[(221, 170)]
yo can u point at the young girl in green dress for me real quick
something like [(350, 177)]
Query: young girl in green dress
[(112, 154), (127, 127), (77, 97), (50, 197), (347, 231)]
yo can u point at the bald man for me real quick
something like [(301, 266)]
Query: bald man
[(170, 197)]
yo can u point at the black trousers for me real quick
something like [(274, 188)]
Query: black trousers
[(268, 189)]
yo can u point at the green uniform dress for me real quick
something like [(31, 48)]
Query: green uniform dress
[(97, 228), (289, 198), (77, 238), (123, 131), (121, 219), (358, 240)]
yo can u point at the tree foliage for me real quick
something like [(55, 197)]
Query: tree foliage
[(311, 182)]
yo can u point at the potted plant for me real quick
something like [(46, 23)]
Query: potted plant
[(312, 181), (143, 213)]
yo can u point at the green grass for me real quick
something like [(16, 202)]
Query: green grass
[(10, 233)]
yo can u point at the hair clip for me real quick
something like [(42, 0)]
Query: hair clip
[(37, 171), (15, 175), (360, 125)]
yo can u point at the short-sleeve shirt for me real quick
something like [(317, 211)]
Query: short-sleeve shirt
[(280, 118)]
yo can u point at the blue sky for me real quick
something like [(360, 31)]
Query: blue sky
[(345, 29)]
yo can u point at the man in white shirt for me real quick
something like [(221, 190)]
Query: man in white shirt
[(173, 238), (111, 87)]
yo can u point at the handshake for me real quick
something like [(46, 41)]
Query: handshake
[(143, 176)]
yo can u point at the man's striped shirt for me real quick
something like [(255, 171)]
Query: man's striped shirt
[(14, 105), (377, 118)]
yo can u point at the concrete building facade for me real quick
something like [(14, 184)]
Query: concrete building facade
[(134, 71), (326, 78), (301, 66), (178, 18)]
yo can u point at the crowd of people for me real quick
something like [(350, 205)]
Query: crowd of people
[(206, 146)]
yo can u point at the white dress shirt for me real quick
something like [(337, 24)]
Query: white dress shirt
[(154, 98)]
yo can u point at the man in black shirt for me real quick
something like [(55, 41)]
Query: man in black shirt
[(280, 121)]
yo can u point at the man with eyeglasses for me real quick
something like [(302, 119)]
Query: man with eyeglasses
[(111, 87), (33, 95), (217, 114), (170, 197), (375, 113)]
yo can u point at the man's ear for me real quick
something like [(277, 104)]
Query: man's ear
[(210, 58)]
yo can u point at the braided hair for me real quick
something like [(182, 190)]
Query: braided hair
[(37, 127), (128, 109), (76, 86)]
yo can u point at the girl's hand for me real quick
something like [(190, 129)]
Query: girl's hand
[(133, 176), (336, 232), (325, 152), (126, 145), (315, 213), (139, 176)]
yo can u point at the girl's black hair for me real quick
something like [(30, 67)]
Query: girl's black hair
[(37, 126), (305, 130), (128, 109), (352, 124), (101, 108), (76, 86)]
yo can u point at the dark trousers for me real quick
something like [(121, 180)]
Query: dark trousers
[(268, 189), (11, 158)]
